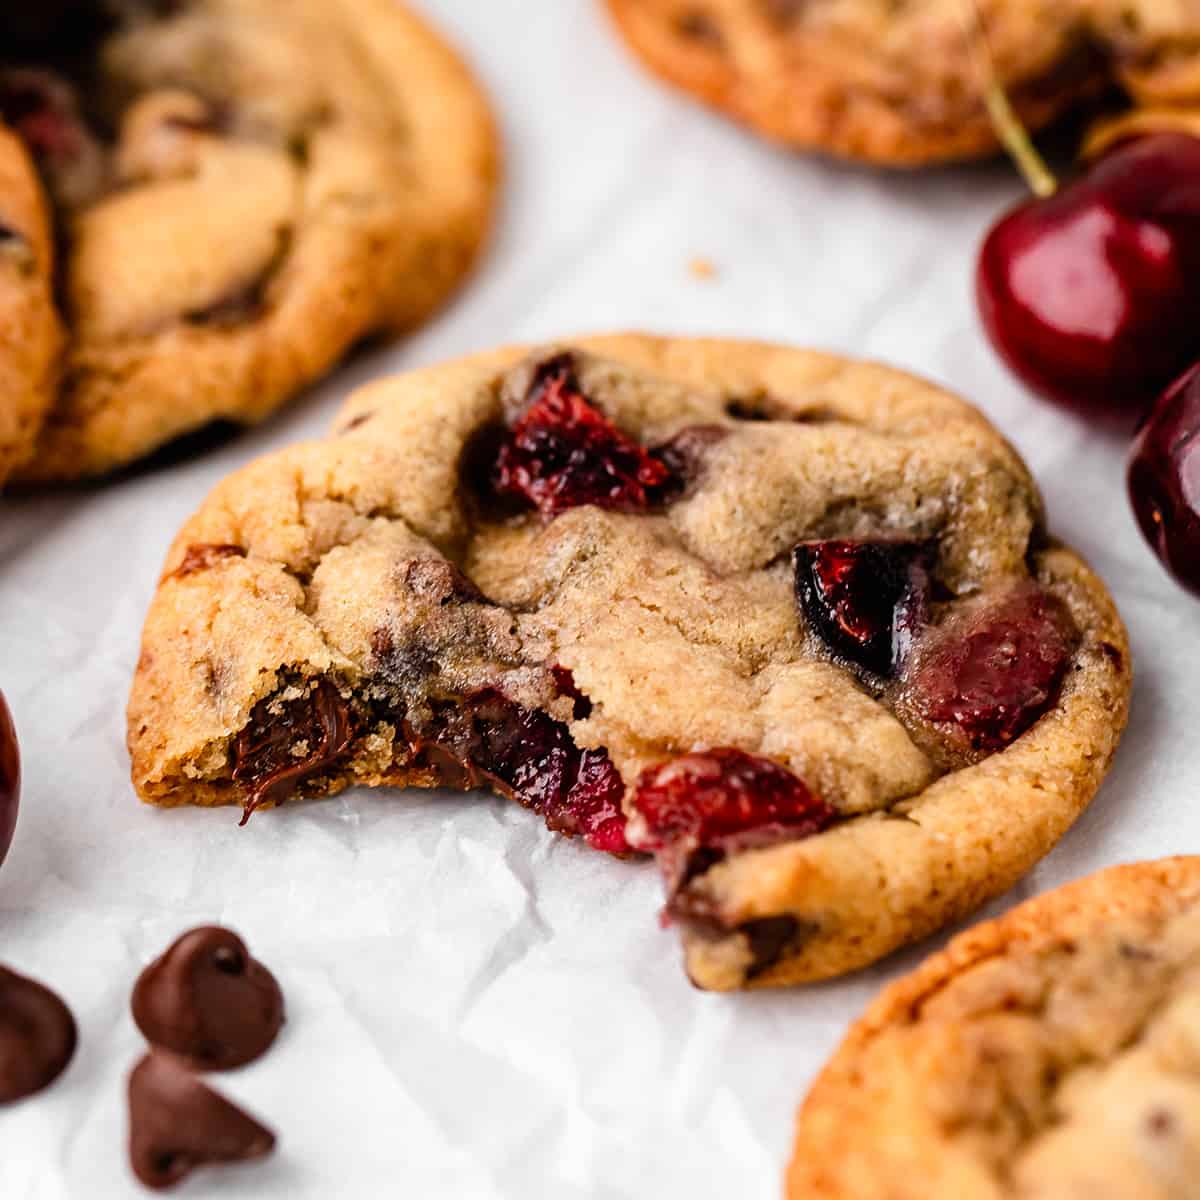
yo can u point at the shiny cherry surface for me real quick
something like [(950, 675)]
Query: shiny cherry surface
[(1164, 479), (1091, 294), (10, 778)]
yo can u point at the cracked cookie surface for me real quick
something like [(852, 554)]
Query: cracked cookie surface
[(242, 192), (601, 578), (900, 84), (1052, 1053)]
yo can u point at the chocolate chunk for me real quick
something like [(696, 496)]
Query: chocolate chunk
[(177, 1124), (202, 555), (288, 741), (209, 1001), (37, 1036), (10, 778)]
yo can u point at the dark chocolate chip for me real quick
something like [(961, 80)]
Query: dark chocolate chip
[(37, 1036), (177, 1123), (202, 555), (264, 754), (209, 1001), (771, 938)]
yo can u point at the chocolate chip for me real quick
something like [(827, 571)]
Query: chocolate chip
[(207, 1000), (37, 1036), (177, 1124), (771, 938), (318, 725), (201, 555)]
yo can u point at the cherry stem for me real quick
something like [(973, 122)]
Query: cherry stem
[(1017, 142), (1013, 135)]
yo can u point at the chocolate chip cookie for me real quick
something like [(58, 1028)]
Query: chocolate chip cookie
[(1051, 1053), (242, 190), (902, 83), (30, 336), (791, 624)]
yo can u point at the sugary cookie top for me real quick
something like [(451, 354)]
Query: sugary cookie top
[(1051, 1054)]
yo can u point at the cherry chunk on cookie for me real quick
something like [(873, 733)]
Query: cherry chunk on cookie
[(789, 624)]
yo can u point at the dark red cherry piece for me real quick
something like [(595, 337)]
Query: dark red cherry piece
[(10, 778), (866, 599), (563, 452), (528, 755), (986, 675), (1091, 294), (1164, 479), (704, 799)]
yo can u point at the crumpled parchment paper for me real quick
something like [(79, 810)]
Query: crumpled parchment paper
[(476, 1008)]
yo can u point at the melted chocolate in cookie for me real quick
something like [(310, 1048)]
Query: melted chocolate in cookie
[(209, 1001), (278, 750), (37, 1036), (176, 1124)]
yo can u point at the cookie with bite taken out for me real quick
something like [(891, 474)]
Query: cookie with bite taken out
[(791, 624)]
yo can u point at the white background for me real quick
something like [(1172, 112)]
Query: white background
[(477, 1009)]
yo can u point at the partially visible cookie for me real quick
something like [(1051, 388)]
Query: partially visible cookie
[(30, 337), (902, 84), (788, 622), (243, 190), (1053, 1054)]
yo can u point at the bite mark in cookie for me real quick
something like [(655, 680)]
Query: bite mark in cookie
[(823, 674)]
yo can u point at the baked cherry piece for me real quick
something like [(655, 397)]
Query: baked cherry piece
[(10, 778), (866, 599), (987, 674), (1164, 479), (563, 452), (528, 755), (1091, 293), (708, 798)]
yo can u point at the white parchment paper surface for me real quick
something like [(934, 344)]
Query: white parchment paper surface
[(477, 1009)]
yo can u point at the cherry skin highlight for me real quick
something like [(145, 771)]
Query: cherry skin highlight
[(10, 778), (1164, 479), (1091, 294)]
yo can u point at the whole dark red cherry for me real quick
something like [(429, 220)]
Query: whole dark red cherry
[(10, 778), (1164, 479), (1091, 293)]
